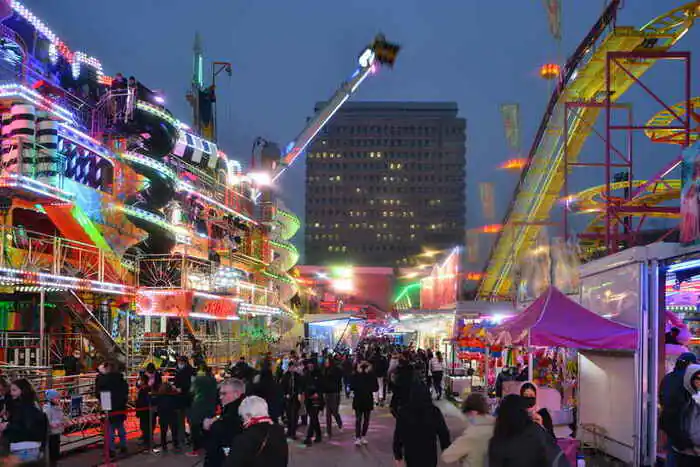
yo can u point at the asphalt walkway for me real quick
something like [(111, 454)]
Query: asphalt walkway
[(337, 452)]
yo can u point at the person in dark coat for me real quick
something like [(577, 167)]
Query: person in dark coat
[(673, 398), (348, 371), (167, 401), (4, 393), (518, 441), (72, 364), (26, 428), (364, 385), (267, 388), (313, 400), (528, 391), (418, 424), (332, 383), (222, 431), (184, 374), (401, 381), (293, 388), (262, 443), (144, 410), (155, 378), (204, 402), (381, 367), (113, 382), (241, 370)]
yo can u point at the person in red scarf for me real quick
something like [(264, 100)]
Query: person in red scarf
[(262, 443)]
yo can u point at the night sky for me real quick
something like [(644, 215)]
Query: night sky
[(287, 55)]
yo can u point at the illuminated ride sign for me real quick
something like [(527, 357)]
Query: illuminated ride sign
[(184, 303)]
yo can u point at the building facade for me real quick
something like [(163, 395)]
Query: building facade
[(385, 181)]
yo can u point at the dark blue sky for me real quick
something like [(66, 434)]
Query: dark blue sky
[(287, 55)]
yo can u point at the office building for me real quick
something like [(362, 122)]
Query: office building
[(385, 180)]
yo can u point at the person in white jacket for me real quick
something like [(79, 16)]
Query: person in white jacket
[(472, 447)]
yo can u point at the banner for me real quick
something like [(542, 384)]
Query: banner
[(554, 17), (690, 208), (487, 200), (220, 308), (511, 122), (170, 303)]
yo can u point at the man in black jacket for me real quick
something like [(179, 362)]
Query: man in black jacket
[(183, 382), (293, 387), (113, 383), (222, 430), (332, 382)]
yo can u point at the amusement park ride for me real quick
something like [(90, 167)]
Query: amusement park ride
[(124, 230), (607, 63)]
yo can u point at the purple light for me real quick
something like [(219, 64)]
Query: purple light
[(159, 99)]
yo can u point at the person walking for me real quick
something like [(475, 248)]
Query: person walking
[(313, 399), (437, 369), (332, 382), (418, 424), (364, 385), (293, 387), (518, 441), (472, 446)]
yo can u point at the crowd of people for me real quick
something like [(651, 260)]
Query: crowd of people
[(247, 415)]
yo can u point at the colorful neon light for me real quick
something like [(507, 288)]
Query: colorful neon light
[(14, 90)]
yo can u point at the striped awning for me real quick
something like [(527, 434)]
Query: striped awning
[(196, 151)]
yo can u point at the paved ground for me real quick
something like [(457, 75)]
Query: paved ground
[(338, 452)]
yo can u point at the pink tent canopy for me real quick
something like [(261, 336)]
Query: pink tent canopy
[(554, 320)]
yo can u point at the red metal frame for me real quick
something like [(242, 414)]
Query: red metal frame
[(614, 158)]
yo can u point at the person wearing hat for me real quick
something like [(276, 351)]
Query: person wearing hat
[(57, 422), (672, 396)]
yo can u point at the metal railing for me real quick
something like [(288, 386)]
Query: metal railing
[(28, 72), (29, 251), (183, 272)]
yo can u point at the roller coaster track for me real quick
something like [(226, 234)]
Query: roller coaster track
[(583, 80)]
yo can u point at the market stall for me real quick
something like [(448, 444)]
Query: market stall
[(554, 321)]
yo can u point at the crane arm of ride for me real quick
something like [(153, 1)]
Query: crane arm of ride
[(380, 52)]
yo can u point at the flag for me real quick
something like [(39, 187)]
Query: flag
[(554, 16), (511, 123), (487, 200), (472, 245)]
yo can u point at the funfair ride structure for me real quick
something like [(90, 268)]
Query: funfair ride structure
[(608, 62), (125, 232)]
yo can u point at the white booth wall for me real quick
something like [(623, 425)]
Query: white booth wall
[(618, 391)]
